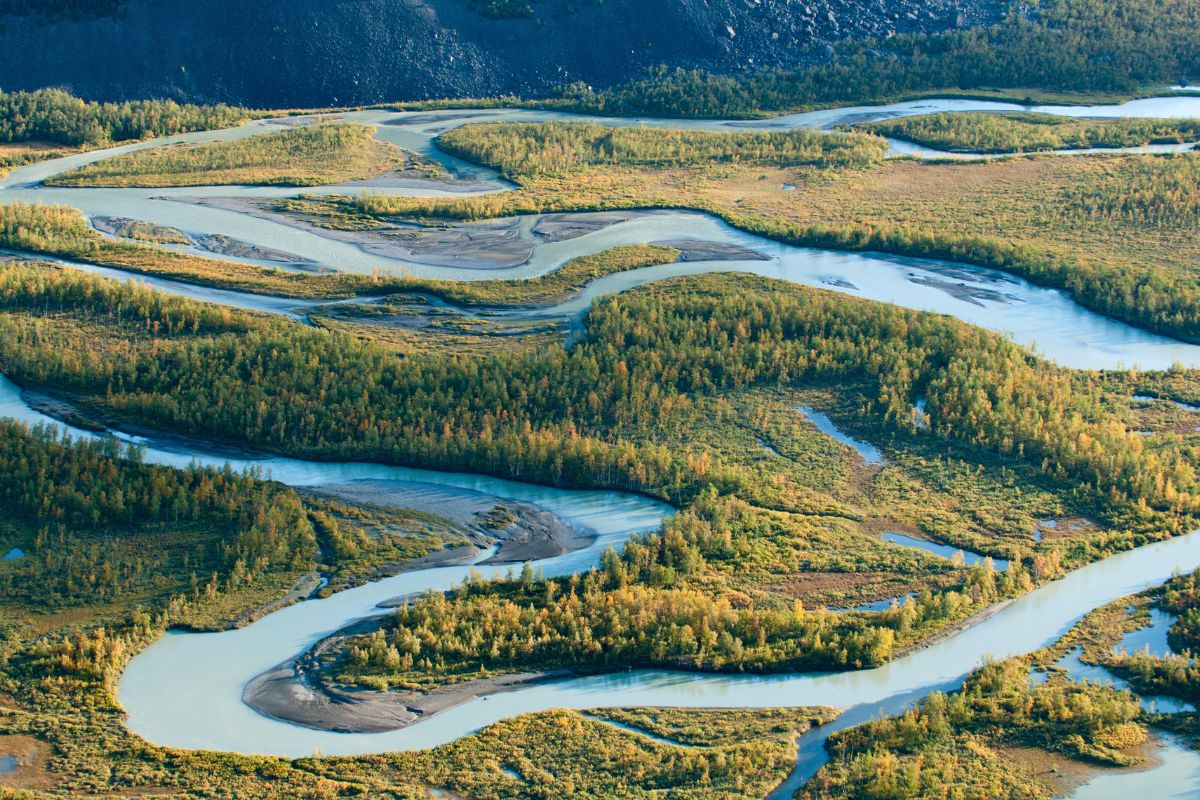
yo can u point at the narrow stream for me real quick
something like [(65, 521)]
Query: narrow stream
[(869, 452), (943, 550), (1174, 772)]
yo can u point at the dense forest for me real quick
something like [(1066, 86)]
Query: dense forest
[(1059, 45), (46, 288), (650, 605), (979, 132), (52, 115), (535, 148), (551, 414), (98, 525)]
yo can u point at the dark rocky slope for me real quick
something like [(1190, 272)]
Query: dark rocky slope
[(337, 52)]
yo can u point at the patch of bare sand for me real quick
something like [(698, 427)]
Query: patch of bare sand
[(294, 694), (522, 531), (560, 227), (228, 246), (492, 244)]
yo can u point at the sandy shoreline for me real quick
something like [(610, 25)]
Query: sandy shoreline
[(62, 410), (295, 694), (227, 246), (296, 691), (519, 531), (299, 691)]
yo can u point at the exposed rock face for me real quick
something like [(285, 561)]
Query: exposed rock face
[(281, 53)]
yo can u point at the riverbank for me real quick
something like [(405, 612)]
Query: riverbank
[(518, 532), (891, 234), (949, 633), (302, 692)]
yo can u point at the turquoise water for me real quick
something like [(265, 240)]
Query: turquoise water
[(185, 690)]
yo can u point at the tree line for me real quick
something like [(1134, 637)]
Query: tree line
[(946, 746), (1057, 45), (52, 115), (1160, 191), (653, 604), (306, 155), (980, 132)]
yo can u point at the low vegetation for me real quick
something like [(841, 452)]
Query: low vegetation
[(538, 148), (538, 755), (63, 232), (13, 156), (703, 727), (1147, 194), (306, 155), (552, 287), (1134, 260), (1030, 133)]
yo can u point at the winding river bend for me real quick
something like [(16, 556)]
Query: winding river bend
[(1047, 320), (186, 689)]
